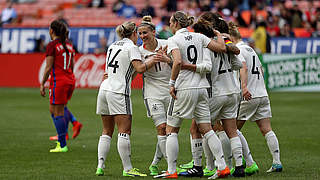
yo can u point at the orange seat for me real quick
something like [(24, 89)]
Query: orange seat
[(246, 16)]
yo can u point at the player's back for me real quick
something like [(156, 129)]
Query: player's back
[(191, 47), (119, 66), (62, 72), (255, 83), (222, 79)]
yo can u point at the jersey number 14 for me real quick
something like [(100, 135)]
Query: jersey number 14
[(113, 63)]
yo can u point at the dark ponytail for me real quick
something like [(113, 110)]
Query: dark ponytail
[(61, 30)]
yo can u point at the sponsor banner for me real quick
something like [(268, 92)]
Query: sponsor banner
[(22, 40), (292, 72), (26, 70)]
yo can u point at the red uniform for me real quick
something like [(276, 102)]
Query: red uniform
[(62, 81)]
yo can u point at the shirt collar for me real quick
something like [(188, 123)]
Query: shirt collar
[(182, 30)]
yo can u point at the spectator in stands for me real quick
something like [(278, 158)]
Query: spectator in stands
[(148, 10), (40, 45), (316, 33), (286, 31), (273, 28), (117, 5), (82, 3), (170, 5), (8, 14), (102, 46), (192, 8), (96, 3), (162, 29), (260, 36), (296, 18), (127, 10), (205, 5)]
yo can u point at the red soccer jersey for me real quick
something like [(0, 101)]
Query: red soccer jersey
[(61, 73)]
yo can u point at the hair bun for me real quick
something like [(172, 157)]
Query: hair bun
[(147, 18)]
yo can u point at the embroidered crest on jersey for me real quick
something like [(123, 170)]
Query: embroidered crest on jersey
[(249, 49), (155, 107)]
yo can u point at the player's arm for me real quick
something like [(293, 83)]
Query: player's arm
[(177, 61), (244, 81), (217, 45), (236, 64), (47, 70), (141, 67), (233, 49)]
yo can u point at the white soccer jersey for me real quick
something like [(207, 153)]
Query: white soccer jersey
[(255, 84), (236, 73), (191, 47), (221, 76), (156, 79), (119, 66)]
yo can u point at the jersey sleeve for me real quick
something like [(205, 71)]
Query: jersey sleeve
[(134, 53), (171, 45), (206, 64), (204, 40), (240, 57), (50, 49), (236, 64)]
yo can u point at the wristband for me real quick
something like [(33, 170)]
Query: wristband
[(172, 82)]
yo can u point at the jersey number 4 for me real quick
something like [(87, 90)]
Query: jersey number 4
[(255, 69), (113, 63)]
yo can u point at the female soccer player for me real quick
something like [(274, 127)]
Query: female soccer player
[(256, 106), (59, 65), (155, 86), (113, 101), (188, 91)]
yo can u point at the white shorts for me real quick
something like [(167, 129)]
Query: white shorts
[(224, 107), (157, 109), (110, 103), (255, 109), (190, 103)]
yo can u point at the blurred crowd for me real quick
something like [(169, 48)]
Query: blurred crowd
[(266, 18)]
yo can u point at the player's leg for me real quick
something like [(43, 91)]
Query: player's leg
[(104, 142), (225, 142), (76, 124), (60, 124), (273, 144)]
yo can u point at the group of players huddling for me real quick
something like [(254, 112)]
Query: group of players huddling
[(210, 76)]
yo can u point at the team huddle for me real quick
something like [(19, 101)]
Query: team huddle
[(209, 76)]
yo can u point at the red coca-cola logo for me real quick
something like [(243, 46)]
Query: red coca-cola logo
[(88, 70)]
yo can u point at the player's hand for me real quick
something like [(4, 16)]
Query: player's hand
[(226, 35), (216, 32), (42, 90), (173, 92), (159, 57), (246, 94), (105, 76)]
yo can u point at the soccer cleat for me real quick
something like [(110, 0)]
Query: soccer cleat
[(238, 172), (76, 129), (232, 170), (55, 138), (154, 170), (99, 172), (166, 175), (187, 166), (275, 168), (252, 169), (132, 173), (195, 171), (59, 149), (221, 173), (207, 172)]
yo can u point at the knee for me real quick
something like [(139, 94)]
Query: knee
[(161, 129)]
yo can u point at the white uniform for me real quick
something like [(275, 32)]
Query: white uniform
[(156, 86), (114, 93), (259, 106), (224, 91), (192, 98)]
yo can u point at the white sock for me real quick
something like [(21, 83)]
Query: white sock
[(103, 149), (236, 148), (172, 146), (157, 155), (245, 149), (226, 147), (197, 151), (162, 140), (273, 145), (216, 149), (208, 154), (124, 149)]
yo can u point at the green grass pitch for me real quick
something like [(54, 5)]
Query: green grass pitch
[(25, 126)]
